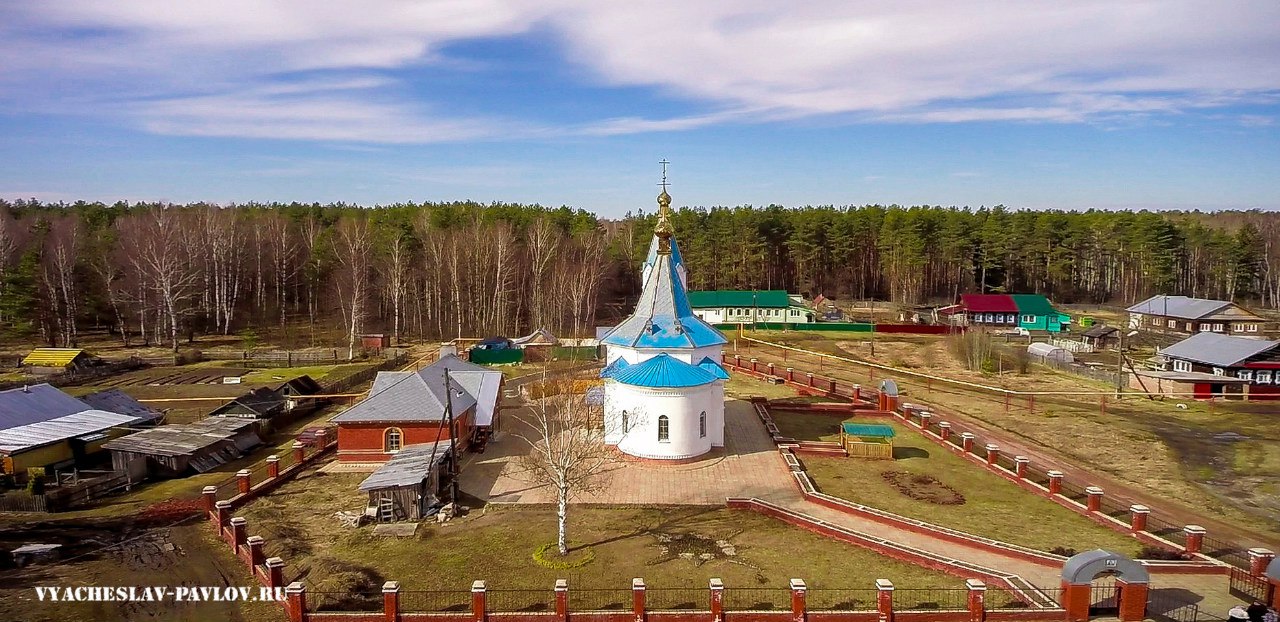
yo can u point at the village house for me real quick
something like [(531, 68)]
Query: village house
[(1208, 365), (733, 306), (272, 406), (1184, 315), (408, 408), (42, 427), (1031, 312)]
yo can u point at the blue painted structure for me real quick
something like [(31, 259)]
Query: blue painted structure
[(664, 372)]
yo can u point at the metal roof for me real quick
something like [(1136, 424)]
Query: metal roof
[(980, 303), (39, 402), (52, 357), (770, 298), (1178, 306), (664, 371), (1100, 330), (540, 337), (409, 467), (713, 367), (612, 368), (1217, 349), (61, 428), (878, 430), (1084, 567), (652, 258), (420, 395), (663, 317), (117, 401), (1033, 304), (182, 439)]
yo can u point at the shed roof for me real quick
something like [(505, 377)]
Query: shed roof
[(61, 428), (117, 401), (1183, 307), (409, 467), (52, 357), (262, 400), (1100, 330), (1217, 349), (663, 371), (769, 298), (878, 430), (181, 439), (988, 303), (39, 402)]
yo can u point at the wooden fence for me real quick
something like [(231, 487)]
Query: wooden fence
[(342, 383)]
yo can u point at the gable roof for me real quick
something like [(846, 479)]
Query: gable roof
[(663, 317), (408, 467), (663, 371), (85, 422), (40, 402), (1182, 307), (420, 395), (1217, 349), (1033, 304), (715, 368), (188, 438), (52, 357), (877, 430), (117, 401), (262, 401), (302, 385), (769, 298), (988, 303), (540, 337)]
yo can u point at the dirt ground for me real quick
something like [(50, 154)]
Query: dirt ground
[(1220, 457)]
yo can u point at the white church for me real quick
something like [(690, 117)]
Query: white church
[(664, 385)]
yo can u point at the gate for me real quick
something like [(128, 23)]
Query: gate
[(1104, 596), (1249, 587)]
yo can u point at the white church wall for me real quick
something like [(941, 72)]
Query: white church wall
[(644, 408), (637, 355)]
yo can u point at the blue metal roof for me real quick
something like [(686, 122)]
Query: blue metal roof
[(713, 367), (664, 372), (652, 258), (663, 317), (612, 368)]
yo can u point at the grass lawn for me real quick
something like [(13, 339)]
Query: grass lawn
[(496, 544), (992, 506)]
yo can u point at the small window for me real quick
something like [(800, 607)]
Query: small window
[(1174, 324), (1028, 319), (1245, 374), (1252, 328), (1217, 328), (702, 425), (626, 424), (1218, 371), (392, 440), (1237, 328), (1189, 326), (1264, 377), (1182, 365), (664, 429)]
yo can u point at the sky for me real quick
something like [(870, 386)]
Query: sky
[(1071, 105)]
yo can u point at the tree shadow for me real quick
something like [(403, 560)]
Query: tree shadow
[(903, 453)]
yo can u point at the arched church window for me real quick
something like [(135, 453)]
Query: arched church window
[(664, 429), (702, 425), (392, 440), (626, 422)]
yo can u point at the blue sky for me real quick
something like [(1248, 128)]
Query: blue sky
[(1073, 105)]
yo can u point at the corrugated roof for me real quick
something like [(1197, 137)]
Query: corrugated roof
[(419, 396), (181, 439), (770, 298), (409, 467), (1100, 330), (39, 402), (664, 371), (52, 357), (878, 430), (1216, 349), (1178, 306), (117, 401), (713, 367), (988, 303), (663, 317), (612, 368), (61, 428), (1033, 304)]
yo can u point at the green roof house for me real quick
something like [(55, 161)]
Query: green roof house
[(733, 306), (1029, 311)]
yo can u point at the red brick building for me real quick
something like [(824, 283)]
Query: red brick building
[(408, 408)]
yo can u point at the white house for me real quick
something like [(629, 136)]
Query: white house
[(732, 306)]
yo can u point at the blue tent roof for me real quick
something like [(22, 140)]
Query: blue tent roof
[(664, 372), (663, 317), (652, 258), (612, 368), (713, 367)]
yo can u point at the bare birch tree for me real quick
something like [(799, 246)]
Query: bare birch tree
[(353, 248)]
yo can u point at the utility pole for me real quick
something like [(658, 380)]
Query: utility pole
[(1120, 365), (453, 446)]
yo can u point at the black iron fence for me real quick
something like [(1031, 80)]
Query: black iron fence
[(681, 598), (600, 599), (821, 599), (364, 601), (431, 601), (520, 600), (925, 599), (1249, 587)]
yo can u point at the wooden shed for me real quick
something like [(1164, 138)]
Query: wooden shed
[(867, 440), (375, 341), (179, 450), (408, 486), (57, 360)]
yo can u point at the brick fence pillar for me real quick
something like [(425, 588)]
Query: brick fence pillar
[(1258, 560), (275, 572), (637, 599), (221, 516), (791, 375), (857, 392), (924, 420), (1194, 538), (1020, 464), (391, 601), (1138, 515), (562, 600), (1132, 601), (273, 466), (239, 525), (243, 481), (255, 550), (977, 603), (884, 600), (1094, 501), (944, 430), (810, 376), (798, 593), (1076, 599), (296, 598), (299, 452), (771, 369), (478, 605), (210, 496), (993, 454), (966, 441), (717, 600), (322, 438), (1055, 482), (753, 364)]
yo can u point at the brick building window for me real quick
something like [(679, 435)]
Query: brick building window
[(392, 440), (664, 429)]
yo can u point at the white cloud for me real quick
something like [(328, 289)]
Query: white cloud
[(230, 68)]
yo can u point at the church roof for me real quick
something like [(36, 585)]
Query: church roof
[(613, 368), (713, 367), (652, 257), (663, 317), (663, 372)]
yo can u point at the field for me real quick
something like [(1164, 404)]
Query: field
[(927, 482), (496, 544), (1215, 457)]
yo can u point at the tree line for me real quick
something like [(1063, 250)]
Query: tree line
[(161, 274)]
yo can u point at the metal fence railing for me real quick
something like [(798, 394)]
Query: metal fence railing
[(1005, 598), (757, 598), (1224, 551), (925, 599), (821, 599), (520, 600), (600, 599), (1249, 587), (344, 601), (431, 601)]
